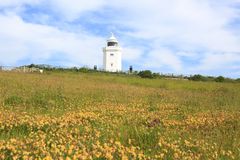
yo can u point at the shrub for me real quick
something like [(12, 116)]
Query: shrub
[(145, 74), (156, 75), (198, 77), (220, 79), (84, 70), (237, 80)]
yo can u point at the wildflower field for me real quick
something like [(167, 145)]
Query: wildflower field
[(104, 116)]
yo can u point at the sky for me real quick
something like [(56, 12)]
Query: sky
[(166, 36)]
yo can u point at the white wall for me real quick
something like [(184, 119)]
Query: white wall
[(112, 63)]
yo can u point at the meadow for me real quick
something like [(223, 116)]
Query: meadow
[(104, 116)]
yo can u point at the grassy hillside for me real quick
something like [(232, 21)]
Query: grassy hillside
[(101, 116)]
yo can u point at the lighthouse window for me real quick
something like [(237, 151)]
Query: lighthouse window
[(112, 43), (111, 54), (111, 64)]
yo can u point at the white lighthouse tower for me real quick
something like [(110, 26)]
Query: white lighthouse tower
[(112, 55)]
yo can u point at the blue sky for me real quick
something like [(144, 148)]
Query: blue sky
[(166, 36)]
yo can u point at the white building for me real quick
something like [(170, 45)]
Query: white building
[(112, 55)]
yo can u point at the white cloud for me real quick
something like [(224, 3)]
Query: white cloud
[(218, 61), (20, 40), (15, 3), (72, 9), (131, 54), (163, 57), (187, 54), (187, 24)]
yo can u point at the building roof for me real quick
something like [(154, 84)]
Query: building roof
[(112, 38)]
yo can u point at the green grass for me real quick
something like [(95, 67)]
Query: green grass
[(125, 108)]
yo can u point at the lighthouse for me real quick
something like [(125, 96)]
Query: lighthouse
[(112, 55)]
